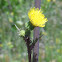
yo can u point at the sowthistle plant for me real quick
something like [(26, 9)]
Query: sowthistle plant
[(37, 19)]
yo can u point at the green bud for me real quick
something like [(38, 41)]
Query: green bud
[(22, 33)]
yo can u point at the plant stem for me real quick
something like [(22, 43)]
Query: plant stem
[(29, 54), (36, 47), (28, 41), (36, 35)]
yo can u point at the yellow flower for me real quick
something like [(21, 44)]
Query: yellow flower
[(48, 0), (36, 17)]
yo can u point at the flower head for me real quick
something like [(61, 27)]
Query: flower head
[(36, 17)]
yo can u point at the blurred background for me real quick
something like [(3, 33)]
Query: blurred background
[(13, 48)]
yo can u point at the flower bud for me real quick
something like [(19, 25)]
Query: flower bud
[(22, 33)]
